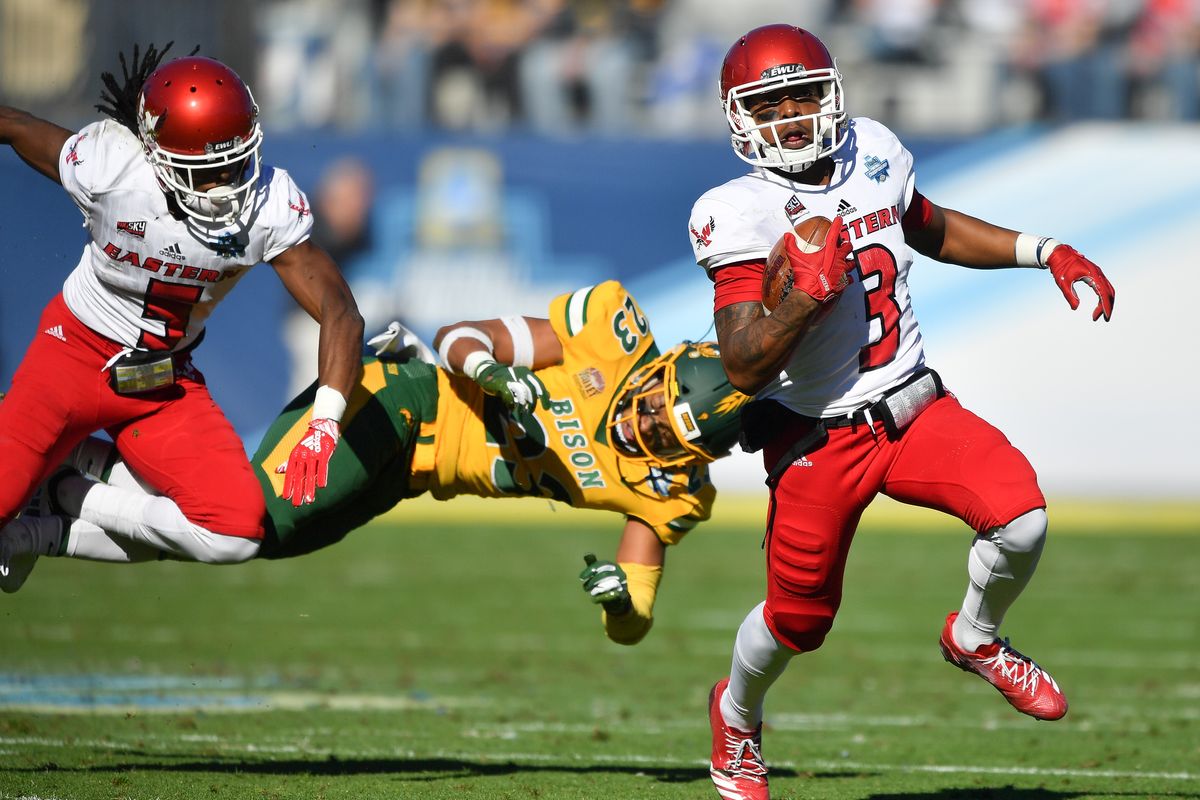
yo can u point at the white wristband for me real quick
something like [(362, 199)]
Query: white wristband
[(475, 361), (328, 404), (465, 332), (1034, 251)]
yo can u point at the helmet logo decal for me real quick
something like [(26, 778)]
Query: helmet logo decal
[(687, 421), (150, 122), (781, 69), (877, 169), (731, 401), (704, 235), (212, 148), (591, 381)]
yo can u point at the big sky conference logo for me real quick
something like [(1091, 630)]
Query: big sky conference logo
[(136, 229)]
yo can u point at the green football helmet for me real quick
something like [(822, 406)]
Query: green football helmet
[(678, 409)]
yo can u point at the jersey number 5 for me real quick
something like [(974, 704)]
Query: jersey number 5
[(875, 259), (171, 304)]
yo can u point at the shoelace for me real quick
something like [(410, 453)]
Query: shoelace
[(1008, 662), (745, 751)]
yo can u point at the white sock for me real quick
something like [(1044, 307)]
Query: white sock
[(121, 475), (157, 522), (758, 661), (85, 540), (1000, 564)]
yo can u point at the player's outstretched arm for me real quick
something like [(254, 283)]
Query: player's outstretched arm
[(35, 140), (501, 355), (516, 341), (626, 589), (315, 281), (957, 238)]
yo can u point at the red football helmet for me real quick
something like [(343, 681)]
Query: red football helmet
[(199, 125), (765, 60)]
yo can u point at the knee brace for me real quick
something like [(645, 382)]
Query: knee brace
[(1025, 535)]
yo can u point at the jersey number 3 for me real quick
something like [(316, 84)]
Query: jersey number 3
[(881, 303)]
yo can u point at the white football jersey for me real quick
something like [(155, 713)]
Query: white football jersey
[(870, 341), (146, 279)]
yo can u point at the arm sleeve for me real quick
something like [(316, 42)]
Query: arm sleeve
[(919, 213), (631, 627), (738, 283)]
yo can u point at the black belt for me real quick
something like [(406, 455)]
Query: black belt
[(854, 418), (879, 411)]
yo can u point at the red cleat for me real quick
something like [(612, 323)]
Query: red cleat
[(1025, 685), (737, 767)]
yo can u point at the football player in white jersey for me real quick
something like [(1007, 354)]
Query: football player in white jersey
[(845, 407), (178, 207)]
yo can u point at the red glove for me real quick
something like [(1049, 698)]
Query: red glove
[(1068, 266), (307, 467), (822, 274)]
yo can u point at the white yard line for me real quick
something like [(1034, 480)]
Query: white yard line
[(611, 758)]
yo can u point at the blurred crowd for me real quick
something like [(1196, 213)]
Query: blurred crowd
[(650, 66), (641, 67)]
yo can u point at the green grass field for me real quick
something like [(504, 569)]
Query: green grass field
[(439, 655)]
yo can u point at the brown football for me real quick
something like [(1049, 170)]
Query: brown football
[(777, 275)]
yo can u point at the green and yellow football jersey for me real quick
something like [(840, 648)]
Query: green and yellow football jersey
[(562, 452)]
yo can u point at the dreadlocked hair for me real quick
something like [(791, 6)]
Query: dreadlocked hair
[(121, 101)]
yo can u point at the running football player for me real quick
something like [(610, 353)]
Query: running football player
[(845, 407)]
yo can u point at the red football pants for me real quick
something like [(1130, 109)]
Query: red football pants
[(947, 459), (175, 438)]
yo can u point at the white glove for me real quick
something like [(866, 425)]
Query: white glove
[(398, 341)]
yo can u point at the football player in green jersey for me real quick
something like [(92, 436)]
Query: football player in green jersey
[(579, 407)]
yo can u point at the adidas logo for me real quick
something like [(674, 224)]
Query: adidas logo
[(845, 209), (56, 332), (171, 252), (802, 461)]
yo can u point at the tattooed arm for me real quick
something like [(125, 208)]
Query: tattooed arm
[(755, 346)]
